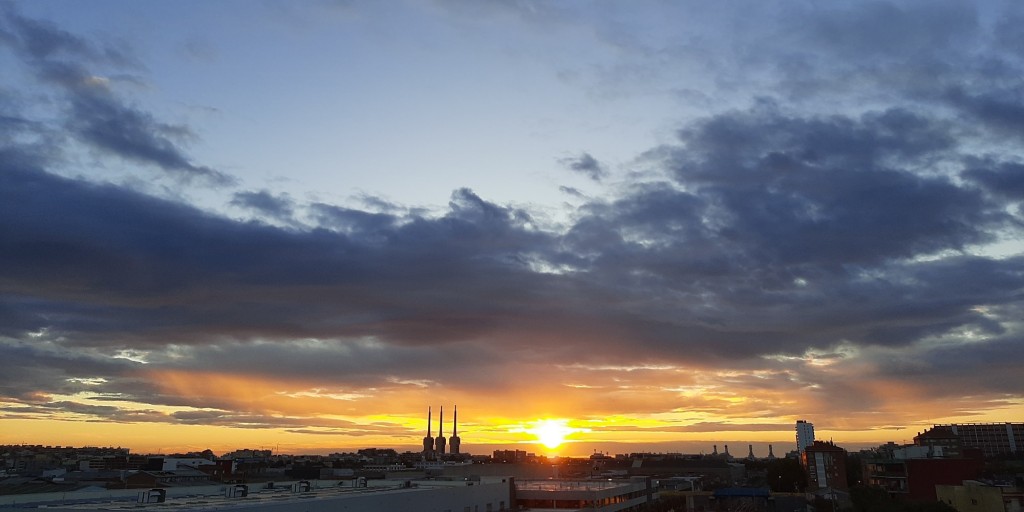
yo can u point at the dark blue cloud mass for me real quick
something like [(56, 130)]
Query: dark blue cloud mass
[(96, 115), (770, 231)]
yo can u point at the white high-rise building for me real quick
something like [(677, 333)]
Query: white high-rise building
[(804, 435)]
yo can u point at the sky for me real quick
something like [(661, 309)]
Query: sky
[(656, 225)]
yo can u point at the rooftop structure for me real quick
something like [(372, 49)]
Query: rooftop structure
[(493, 494), (590, 495), (472, 493)]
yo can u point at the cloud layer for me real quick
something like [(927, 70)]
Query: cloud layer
[(854, 253)]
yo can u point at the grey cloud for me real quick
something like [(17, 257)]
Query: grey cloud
[(586, 165), (796, 240), (1001, 178), (43, 40), (79, 240), (1001, 110), (1007, 30), (107, 124), (265, 202), (572, 191), (820, 190), (95, 114), (371, 227), (85, 412), (706, 427), (773, 231), (903, 31)]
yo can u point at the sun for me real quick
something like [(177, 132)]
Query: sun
[(552, 432)]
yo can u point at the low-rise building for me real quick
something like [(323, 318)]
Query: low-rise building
[(483, 495), (915, 479), (975, 496), (586, 495)]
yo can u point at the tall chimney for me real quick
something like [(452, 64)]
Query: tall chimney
[(439, 443), (455, 441), (428, 442)]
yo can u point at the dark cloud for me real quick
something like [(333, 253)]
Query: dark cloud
[(1001, 178), (107, 124), (355, 223), (783, 244), (775, 235), (586, 165), (832, 190), (95, 115), (42, 40), (572, 191), (882, 30), (1001, 110), (265, 202)]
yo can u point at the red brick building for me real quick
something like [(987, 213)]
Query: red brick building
[(826, 466), (915, 479)]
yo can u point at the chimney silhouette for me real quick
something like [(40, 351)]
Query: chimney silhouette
[(455, 441), (439, 443), (428, 442)]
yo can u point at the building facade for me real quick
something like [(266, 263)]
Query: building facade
[(826, 466), (993, 439), (916, 479), (804, 435)]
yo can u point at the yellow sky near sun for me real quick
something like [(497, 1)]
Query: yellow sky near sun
[(618, 407)]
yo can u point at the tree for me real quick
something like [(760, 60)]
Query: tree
[(786, 475)]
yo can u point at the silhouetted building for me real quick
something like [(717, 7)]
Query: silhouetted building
[(511, 456), (993, 439), (826, 466), (915, 478), (714, 471), (176, 478)]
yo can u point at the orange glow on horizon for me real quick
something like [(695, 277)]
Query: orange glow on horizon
[(612, 410)]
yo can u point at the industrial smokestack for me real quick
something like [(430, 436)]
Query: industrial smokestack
[(455, 441), (428, 442), (439, 443)]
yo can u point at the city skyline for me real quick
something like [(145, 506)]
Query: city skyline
[(645, 224)]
